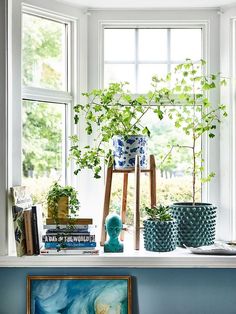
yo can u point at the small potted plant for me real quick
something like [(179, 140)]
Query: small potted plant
[(116, 116), (62, 202), (160, 231), (195, 114)]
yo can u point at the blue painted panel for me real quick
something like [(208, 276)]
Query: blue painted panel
[(155, 291)]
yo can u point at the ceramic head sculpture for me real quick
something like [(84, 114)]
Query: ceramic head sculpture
[(113, 226)]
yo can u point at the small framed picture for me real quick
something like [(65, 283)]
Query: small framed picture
[(79, 294)]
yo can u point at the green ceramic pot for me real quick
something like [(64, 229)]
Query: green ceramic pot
[(160, 236), (195, 224)]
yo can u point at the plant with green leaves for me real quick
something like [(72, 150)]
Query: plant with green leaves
[(55, 193), (110, 111), (159, 213), (188, 103)]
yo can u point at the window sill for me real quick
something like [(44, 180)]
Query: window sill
[(180, 258)]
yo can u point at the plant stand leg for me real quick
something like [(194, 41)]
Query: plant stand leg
[(106, 203), (153, 180), (124, 203), (137, 205)]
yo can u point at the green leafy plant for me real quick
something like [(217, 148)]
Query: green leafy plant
[(160, 213), (55, 193), (192, 110), (110, 111)]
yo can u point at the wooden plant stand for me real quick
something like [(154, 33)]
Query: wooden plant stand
[(137, 171)]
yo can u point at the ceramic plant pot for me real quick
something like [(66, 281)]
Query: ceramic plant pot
[(63, 208), (125, 150), (195, 224), (160, 236)]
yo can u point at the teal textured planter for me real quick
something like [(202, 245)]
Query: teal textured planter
[(160, 236), (195, 224)]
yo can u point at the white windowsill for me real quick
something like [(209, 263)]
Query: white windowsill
[(180, 258)]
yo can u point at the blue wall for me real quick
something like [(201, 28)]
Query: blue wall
[(155, 291)]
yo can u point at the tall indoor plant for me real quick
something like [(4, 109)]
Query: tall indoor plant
[(195, 114), (116, 115)]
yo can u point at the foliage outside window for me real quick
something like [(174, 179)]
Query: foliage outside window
[(44, 122), (135, 55)]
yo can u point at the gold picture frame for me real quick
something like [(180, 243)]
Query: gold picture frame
[(79, 293)]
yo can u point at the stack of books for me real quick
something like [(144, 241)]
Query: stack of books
[(75, 238)]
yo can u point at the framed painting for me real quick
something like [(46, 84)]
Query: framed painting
[(79, 294)]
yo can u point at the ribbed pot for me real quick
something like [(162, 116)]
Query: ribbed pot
[(195, 224), (125, 150), (160, 236)]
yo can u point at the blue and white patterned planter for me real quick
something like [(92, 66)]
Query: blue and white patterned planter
[(125, 150)]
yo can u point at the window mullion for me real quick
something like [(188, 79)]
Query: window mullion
[(136, 59), (40, 94)]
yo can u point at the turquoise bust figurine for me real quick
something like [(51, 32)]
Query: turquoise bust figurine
[(113, 226)]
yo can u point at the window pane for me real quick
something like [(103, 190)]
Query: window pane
[(119, 44), (152, 45), (43, 145), (120, 73), (44, 53), (145, 74), (186, 43)]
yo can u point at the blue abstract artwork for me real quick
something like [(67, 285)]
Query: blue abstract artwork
[(79, 295)]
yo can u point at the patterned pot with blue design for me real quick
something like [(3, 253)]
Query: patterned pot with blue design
[(126, 148), (196, 223), (160, 236)]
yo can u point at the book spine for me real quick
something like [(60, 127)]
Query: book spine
[(69, 252), (35, 231), (64, 228), (28, 232), (69, 221), (19, 230), (69, 238), (55, 245), (65, 234)]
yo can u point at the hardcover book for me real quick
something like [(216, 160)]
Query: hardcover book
[(56, 245), (19, 230), (69, 238), (69, 221), (37, 228), (28, 231)]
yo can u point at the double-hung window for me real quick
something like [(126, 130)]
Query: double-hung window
[(135, 55), (46, 100)]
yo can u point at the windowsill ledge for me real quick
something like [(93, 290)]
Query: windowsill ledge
[(180, 258)]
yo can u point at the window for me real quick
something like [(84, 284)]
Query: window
[(46, 101), (135, 55)]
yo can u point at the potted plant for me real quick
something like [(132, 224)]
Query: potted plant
[(62, 202), (195, 114), (159, 229), (116, 116)]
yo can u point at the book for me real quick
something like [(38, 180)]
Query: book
[(68, 238), (28, 232), (37, 223), (69, 252), (64, 228), (69, 221), (21, 200), (19, 230), (55, 245), (21, 196), (58, 233)]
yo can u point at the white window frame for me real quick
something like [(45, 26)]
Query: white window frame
[(208, 21), (77, 80), (39, 94)]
